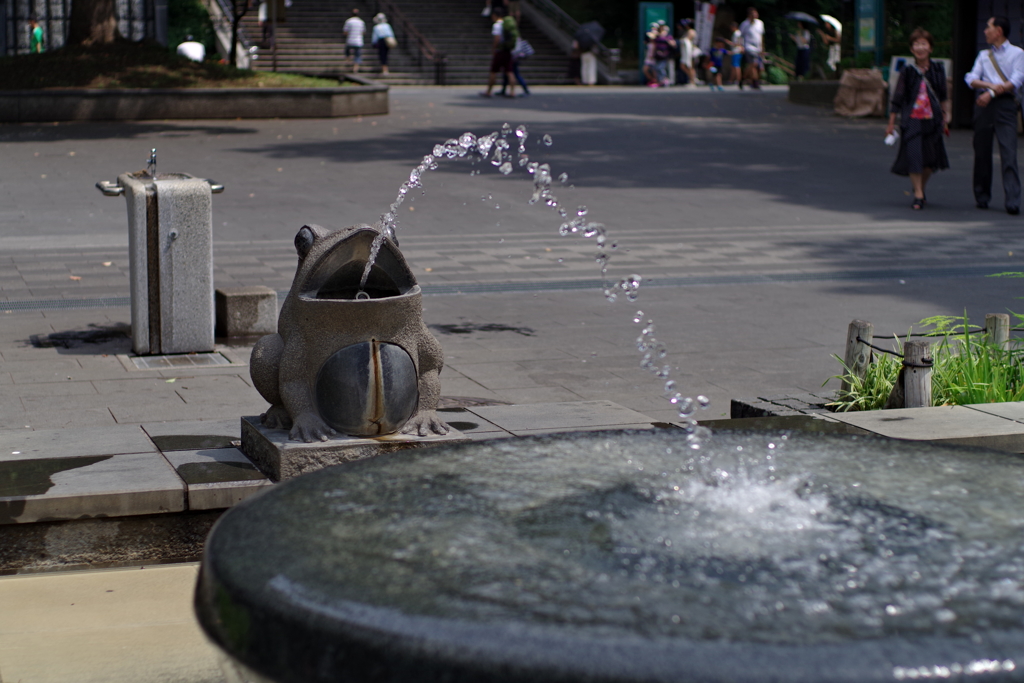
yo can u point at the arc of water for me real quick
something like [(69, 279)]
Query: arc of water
[(495, 147)]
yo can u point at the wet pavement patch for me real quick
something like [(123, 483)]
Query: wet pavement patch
[(33, 477), (193, 442), (470, 328), (217, 472)]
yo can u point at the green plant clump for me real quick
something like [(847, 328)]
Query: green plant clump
[(966, 369)]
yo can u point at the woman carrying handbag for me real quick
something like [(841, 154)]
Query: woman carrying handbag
[(383, 37), (923, 103)]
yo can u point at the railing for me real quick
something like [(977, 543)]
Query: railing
[(222, 27), (406, 33), (566, 23)]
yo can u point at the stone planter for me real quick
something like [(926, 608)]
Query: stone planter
[(26, 106)]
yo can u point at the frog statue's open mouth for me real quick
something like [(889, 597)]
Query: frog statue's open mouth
[(339, 273)]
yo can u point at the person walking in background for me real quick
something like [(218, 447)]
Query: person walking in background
[(503, 36), (521, 51), (382, 38), (35, 36), (996, 79), (716, 61), (686, 51), (802, 38), (752, 30), (735, 43), (354, 29), (924, 108), (664, 48)]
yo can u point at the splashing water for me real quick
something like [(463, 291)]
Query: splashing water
[(496, 148)]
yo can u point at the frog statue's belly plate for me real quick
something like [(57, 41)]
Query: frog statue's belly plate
[(367, 389)]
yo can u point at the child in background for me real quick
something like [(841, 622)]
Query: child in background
[(717, 58)]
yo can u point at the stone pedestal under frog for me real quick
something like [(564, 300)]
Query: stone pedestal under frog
[(349, 359)]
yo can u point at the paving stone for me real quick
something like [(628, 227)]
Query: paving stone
[(947, 424), (560, 416), (1011, 410), (217, 477), (61, 443), (57, 487)]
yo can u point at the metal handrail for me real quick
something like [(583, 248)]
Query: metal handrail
[(227, 11), (425, 50), (569, 25)]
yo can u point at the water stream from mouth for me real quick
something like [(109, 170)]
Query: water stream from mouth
[(497, 148)]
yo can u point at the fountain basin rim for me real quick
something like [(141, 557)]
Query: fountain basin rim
[(385, 644)]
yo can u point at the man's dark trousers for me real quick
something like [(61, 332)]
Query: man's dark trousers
[(998, 118)]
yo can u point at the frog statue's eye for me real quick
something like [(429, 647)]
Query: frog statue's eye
[(304, 239)]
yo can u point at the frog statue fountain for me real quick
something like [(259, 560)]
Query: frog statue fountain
[(352, 354)]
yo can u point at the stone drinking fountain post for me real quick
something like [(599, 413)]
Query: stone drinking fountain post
[(170, 245)]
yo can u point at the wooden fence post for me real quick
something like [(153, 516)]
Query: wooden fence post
[(997, 329), (917, 374), (858, 354)]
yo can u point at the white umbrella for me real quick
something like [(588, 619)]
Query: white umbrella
[(833, 21)]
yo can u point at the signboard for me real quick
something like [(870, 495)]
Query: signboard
[(870, 17)]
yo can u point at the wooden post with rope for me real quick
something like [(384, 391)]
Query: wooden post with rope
[(913, 387), (997, 330), (858, 353)]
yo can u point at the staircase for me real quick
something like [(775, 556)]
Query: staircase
[(311, 42)]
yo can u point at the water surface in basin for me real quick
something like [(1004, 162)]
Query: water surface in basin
[(752, 538)]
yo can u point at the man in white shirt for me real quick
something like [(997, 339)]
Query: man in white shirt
[(996, 79), (752, 30), (354, 30)]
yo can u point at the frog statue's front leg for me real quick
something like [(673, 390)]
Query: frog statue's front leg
[(425, 422), (297, 398)]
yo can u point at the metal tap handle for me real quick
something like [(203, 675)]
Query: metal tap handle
[(109, 188), (151, 166), (215, 187)]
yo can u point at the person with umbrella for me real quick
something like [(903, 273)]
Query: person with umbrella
[(802, 38), (833, 40)]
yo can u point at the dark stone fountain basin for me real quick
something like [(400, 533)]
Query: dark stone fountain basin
[(628, 556)]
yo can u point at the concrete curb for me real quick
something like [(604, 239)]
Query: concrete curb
[(27, 106)]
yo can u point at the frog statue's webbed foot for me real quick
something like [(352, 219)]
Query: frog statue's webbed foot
[(425, 423), (309, 427), (276, 417)]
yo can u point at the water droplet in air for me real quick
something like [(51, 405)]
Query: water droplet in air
[(610, 294), (524, 160), (467, 140), (665, 371), (638, 317), (521, 132), (547, 140), (532, 167), (601, 259), (505, 168), (675, 398), (438, 150), (593, 230), (686, 407), (704, 402), (505, 129), (699, 436), (564, 178), (581, 211), (560, 260)]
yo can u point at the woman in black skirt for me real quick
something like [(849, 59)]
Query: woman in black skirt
[(923, 104)]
